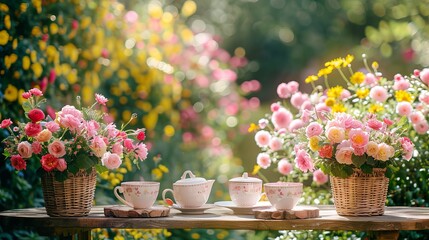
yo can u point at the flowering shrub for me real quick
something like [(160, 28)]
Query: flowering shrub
[(338, 128), (70, 140)]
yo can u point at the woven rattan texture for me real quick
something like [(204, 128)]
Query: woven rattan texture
[(360, 194), (71, 198)]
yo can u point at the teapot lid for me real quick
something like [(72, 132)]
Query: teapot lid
[(245, 178), (191, 180)]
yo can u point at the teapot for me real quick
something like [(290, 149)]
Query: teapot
[(191, 192)]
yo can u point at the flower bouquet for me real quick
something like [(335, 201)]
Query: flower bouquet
[(362, 125), (73, 142)]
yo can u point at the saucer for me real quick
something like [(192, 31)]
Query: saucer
[(243, 210), (193, 211)]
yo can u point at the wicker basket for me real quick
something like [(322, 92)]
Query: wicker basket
[(360, 194), (71, 198)]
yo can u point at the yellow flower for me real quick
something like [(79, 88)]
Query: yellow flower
[(7, 23), (375, 108), (157, 173), (330, 101), (334, 92), (169, 131), (357, 78), (189, 8), (37, 69), (313, 143), (256, 169), (53, 28), (163, 168), (362, 93), (25, 62), (11, 93), (311, 78), (4, 37), (403, 96), (349, 59), (23, 7), (338, 108), (253, 127), (325, 71), (9, 60), (335, 63), (4, 7), (374, 65)]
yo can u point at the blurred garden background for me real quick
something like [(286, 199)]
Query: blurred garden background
[(197, 73)]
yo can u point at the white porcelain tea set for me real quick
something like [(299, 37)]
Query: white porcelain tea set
[(191, 193)]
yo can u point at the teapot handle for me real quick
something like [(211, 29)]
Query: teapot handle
[(191, 175)]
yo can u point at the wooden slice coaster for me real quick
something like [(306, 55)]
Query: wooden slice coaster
[(127, 212), (299, 212)]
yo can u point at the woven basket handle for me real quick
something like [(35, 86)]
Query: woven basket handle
[(121, 190)]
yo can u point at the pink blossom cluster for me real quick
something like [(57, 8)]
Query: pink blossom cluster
[(72, 134)]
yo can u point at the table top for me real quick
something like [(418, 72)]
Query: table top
[(395, 218)]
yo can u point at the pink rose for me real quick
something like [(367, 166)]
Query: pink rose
[(62, 165), (385, 152), (416, 117), (370, 79), (319, 177), (401, 85), (37, 147), (274, 107), (421, 127), (128, 144), (283, 90), (111, 160), (36, 115), (298, 99), (263, 160), (18, 162), (358, 138), (335, 134), (424, 97), (281, 118), (32, 129), (57, 149), (24, 149), (98, 146), (92, 127), (424, 76), (375, 124), (5, 123), (404, 108), (293, 86), (344, 153), (49, 162), (295, 125), (26, 95), (52, 126), (276, 144), (141, 151), (36, 92), (117, 148), (303, 161), (313, 129), (378, 93), (284, 167), (262, 138), (101, 99)]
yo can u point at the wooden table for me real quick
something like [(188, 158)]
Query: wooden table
[(385, 227)]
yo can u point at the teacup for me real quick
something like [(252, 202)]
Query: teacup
[(245, 191), (283, 195), (192, 192), (138, 194)]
